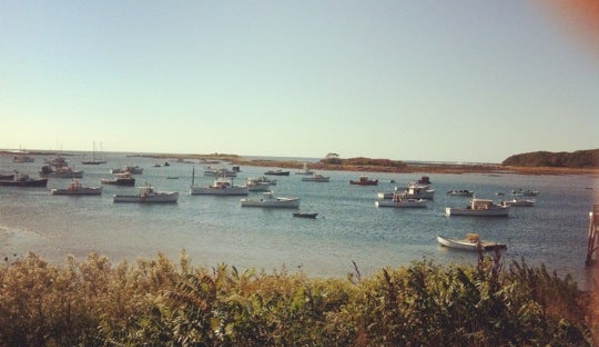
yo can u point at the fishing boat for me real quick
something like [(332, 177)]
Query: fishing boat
[(23, 159), (76, 188), (412, 191), (479, 208), (23, 180), (400, 202), (518, 202), (471, 243), (147, 195), (525, 192), (277, 172), (305, 171), (219, 172), (268, 200), (364, 181), (312, 215), (259, 184), (128, 169), (316, 178), (64, 171), (221, 186), (460, 192), (124, 181)]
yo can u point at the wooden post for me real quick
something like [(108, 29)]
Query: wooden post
[(592, 246)]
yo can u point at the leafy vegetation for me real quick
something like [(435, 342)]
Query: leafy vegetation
[(361, 161), (578, 159), (157, 303)]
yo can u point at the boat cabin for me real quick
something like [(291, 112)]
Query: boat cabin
[(481, 204)]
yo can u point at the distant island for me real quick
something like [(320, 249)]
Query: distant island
[(533, 163)]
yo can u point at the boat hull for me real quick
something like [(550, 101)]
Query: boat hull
[(271, 203), (43, 182), (494, 212), (232, 191), (468, 245), (124, 182), (159, 198), (410, 203), (78, 191)]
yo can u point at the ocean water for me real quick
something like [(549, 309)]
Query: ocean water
[(215, 230)]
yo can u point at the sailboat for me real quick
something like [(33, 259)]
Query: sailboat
[(93, 161)]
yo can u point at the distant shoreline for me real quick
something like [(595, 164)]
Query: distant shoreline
[(428, 168)]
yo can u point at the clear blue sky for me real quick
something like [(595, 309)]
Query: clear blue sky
[(408, 80)]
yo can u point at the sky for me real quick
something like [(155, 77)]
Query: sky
[(468, 80)]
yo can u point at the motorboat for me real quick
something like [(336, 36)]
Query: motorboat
[(312, 215), (412, 191), (518, 202), (128, 169), (424, 180), (316, 178), (525, 192), (305, 171), (277, 172), (259, 184), (23, 180), (268, 200), (479, 207), (222, 187), (76, 188), (23, 159), (219, 172), (64, 171), (364, 181), (471, 243), (401, 203), (147, 194), (460, 192), (124, 181)]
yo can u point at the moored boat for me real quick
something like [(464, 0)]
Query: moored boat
[(259, 184), (479, 208), (124, 181), (128, 169), (64, 171), (76, 188), (277, 172), (23, 180), (316, 178), (147, 194), (268, 200), (518, 202), (221, 187), (305, 214), (525, 192), (219, 172), (305, 171), (460, 192), (401, 203), (471, 243), (364, 181)]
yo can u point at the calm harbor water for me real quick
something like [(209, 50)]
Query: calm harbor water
[(216, 230)]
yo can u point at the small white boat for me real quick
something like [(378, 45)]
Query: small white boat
[(479, 207), (412, 191), (518, 202), (221, 187), (211, 171), (259, 184), (147, 194), (460, 192), (316, 178), (471, 243), (525, 192), (305, 171), (401, 203), (76, 188), (268, 200)]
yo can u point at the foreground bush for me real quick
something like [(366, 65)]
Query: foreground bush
[(155, 303)]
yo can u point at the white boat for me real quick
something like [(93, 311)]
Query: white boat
[(401, 203), (268, 200), (259, 184), (76, 188), (316, 178), (219, 172), (147, 194), (132, 170), (525, 192), (460, 192), (222, 187), (479, 207), (518, 202), (305, 171), (471, 243), (412, 191)]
